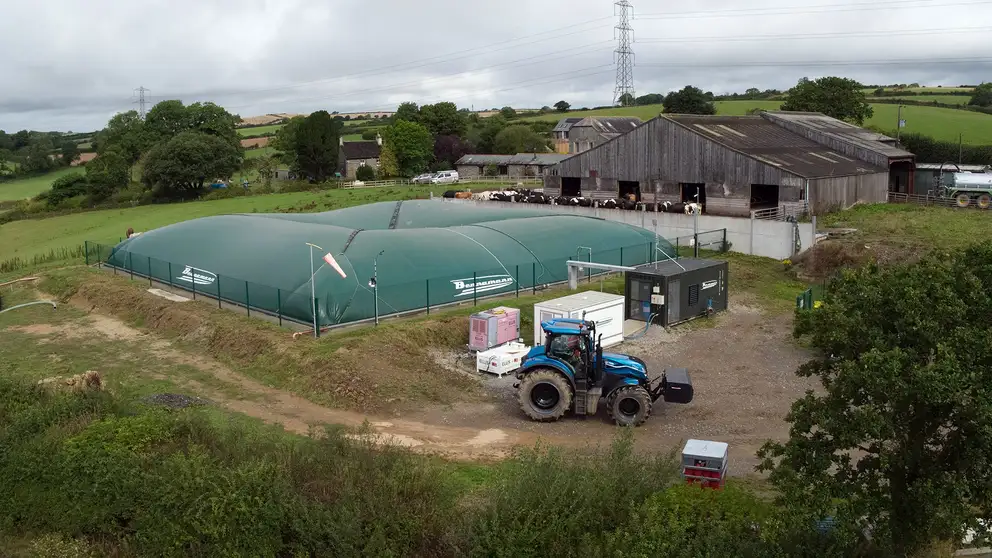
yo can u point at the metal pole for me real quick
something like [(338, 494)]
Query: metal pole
[(247, 300), (533, 277), (279, 305), (475, 289), (170, 275), (695, 227), (375, 284), (149, 271), (518, 280), (317, 330), (130, 265), (218, 291), (428, 291), (899, 124), (313, 293)]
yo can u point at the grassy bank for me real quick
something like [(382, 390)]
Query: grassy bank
[(29, 187)]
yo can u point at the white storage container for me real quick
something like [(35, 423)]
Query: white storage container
[(501, 360), (605, 309)]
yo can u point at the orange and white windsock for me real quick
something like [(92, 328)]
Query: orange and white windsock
[(334, 263)]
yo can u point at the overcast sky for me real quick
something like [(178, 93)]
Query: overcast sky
[(70, 64)]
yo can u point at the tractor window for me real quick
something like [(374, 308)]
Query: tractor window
[(569, 348)]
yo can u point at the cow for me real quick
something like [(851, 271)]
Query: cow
[(450, 194), (693, 208), (610, 204)]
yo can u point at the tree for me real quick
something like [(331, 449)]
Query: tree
[(369, 135), (483, 134), (285, 141), (126, 132), (900, 433), (447, 150), (39, 157), (388, 166), (442, 119), (107, 174), (179, 167), (840, 98), (519, 139), (627, 100), (317, 146), (6, 141), (412, 146), (562, 106), (365, 173), (69, 152), (21, 139), (408, 112), (982, 96), (689, 100), (214, 120), (65, 187), (6, 165), (167, 119), (650, 99), (508, 113)]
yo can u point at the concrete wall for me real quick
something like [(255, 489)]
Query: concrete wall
[(771, 239), (468, 171)]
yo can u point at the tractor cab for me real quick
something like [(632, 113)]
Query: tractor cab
[(570, 372)]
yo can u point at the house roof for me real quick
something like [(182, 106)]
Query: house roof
[(843, 131), (610, 126), (763, 140), (565, 124), (541, 159), (361, 150)]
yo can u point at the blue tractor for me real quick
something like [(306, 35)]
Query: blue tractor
[(570, 372)]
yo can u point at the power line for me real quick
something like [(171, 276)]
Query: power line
[(813, 64), (537, 59), (817, 35), (624, 53), (815, 9)]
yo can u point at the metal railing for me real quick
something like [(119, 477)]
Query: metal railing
[(468, 180), (931, 199), (781, 213)]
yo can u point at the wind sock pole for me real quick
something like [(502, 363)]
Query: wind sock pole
[(313, 291)]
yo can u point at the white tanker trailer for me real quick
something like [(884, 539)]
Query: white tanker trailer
[(966, 188)]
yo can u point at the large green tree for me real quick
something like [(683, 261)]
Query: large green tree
[(316, 146), (982, 96), (179, 167), (66, 186), (627, 100), (412, 146), (285, 141), (167, 119), (108, 173), (519, 139), (840, 98), (409, 112), (562, 106), (443, 119), (899, 434), (689, 100), (126, 133), (69, 152), (39, 156), (213, 119)]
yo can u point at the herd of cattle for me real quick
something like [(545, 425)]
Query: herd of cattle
[(524, 195)]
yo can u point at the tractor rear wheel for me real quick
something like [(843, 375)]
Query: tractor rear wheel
[(984, 201), (629, 405), (963, 200), (545, 395)]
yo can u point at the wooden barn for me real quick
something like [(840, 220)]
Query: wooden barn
[(735, 164)]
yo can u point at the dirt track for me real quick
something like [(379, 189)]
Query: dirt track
[(742, 370)]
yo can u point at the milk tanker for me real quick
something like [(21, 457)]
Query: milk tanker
[(966, 188)]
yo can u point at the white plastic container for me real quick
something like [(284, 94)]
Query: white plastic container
[(605, 309), (501, 360)]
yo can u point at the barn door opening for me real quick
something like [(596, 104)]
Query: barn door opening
[(690, 191), (764, 196), (571, 186), (630, 187)]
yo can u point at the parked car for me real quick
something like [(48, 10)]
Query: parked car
[(445, 177), (423, 178)]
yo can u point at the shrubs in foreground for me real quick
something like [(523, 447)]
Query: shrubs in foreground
[(101, 476)]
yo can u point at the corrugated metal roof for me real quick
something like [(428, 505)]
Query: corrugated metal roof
[(951, 168), (543, 159), (361, 150), (565, 124), (771, 144), (844, 131), (608, 125)]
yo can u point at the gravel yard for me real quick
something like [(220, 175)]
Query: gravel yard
[(743, 373)]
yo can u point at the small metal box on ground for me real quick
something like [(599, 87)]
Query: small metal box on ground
[(673, 291), (493, 328), (705, 462), (501, 360), (604, 309)]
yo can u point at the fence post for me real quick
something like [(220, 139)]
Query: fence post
[(316, 304), (428, 291), (247, 300), (533, 277), (149, 271), (193, 282), (695, 245), (475, 289), (130, 265), (723, 247), (86, 251), (621, 255), (517, 278), (170, 275), (218, 291), (279, 305), (650, 252)]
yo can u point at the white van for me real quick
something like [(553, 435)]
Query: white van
[(445, 177)]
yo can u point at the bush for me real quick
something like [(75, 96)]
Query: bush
[(67, 186), (365, 173), (368, 135), (133, 195)]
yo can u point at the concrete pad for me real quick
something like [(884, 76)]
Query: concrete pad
[(167, 295)]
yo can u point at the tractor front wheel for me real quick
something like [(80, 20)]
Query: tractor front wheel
[(545, 395), (984, 201), (629, 405), (963, 200)]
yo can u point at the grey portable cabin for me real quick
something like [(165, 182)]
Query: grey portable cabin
[(673, 291)]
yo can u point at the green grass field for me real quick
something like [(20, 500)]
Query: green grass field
[(946, 99), (30, 187), (260, 130), (940, 123), (922, 89), (260, 152)]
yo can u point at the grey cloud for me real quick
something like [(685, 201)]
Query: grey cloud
[(259, 56)]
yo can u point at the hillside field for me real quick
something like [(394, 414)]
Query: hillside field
[(32, 186), (946, 99), (260, 130), (940, 123)]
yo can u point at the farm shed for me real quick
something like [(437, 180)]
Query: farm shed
[(734, 164), (560, 133), (597, 130), (521, 165), (434, 252)]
